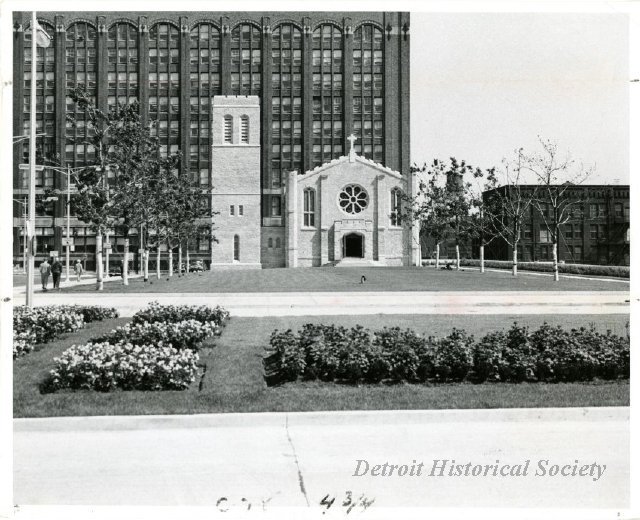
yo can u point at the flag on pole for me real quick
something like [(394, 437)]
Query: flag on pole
[(42, 38)]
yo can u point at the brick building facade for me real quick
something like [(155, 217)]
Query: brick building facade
[(598, 233), (317, 76)]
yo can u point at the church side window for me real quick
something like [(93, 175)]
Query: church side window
[(275, 207), (244, 129), (228, 129), (396, 208), (309, 207), (236, 248)]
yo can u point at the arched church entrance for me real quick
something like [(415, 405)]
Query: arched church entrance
[(353, 246)]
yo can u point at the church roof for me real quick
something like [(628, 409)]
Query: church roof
[(346, 159)]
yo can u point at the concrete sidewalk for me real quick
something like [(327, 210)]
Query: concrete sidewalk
[(354, 303), (295, 460)]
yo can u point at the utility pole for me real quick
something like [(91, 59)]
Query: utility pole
[(38, 36), (32, 168), (68, 221)]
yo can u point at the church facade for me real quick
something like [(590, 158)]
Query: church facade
[(346, 211)]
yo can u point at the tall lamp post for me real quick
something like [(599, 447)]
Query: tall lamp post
[(39, 37)]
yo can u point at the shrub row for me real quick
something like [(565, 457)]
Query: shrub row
[(155, 312), (187, 334), (331, 353), (156, 351), (617, 271), (34, 325), (105, 367)]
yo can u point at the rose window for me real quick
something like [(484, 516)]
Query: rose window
[(353, 199)]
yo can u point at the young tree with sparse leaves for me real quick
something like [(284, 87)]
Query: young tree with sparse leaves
[(555, 176)]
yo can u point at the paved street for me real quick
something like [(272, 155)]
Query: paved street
[(297, 459), (352, 303)]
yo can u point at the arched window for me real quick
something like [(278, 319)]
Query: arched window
[(270, 243), (309, 207), (244, 129), (278, 244), (236, 248), (228, 129), (396, 206)]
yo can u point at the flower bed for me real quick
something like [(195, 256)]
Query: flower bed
[(552, 354), (43, 324), (157, 351), (187, 334), (34, 325), (105, 367), (155, 312)]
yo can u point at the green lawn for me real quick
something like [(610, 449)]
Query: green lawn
[(348, 279), (233, 380)]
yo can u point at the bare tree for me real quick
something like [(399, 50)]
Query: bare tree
[(511, 204), (555, 176)]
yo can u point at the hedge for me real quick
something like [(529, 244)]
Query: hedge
[(356, 355), (617, 271)]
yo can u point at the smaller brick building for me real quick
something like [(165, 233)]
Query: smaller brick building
[(599, 233)]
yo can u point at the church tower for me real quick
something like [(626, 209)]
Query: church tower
[(235, 179)]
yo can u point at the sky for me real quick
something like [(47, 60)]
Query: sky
[(485, 84)]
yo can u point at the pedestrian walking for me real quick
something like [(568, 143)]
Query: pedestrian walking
[(121, 268), (45, 271), (77, 268), (56, 272)]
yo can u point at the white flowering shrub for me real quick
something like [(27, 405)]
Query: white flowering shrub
[(155, 312), (45, 323), (91, 313), (23, 343), (105, 367), (188, 334)]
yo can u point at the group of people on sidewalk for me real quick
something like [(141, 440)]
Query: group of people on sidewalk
[(54, 269)]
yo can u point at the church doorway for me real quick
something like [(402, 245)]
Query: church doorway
[(353, 246)]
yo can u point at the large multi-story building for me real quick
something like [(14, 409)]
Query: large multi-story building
[(311, 79), (598, 233)]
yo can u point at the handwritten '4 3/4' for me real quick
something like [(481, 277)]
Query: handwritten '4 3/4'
[(349, 502)]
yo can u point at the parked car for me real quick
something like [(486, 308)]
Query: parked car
[(196, 266)]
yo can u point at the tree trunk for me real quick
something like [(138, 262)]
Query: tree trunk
[(145, 265), (180, 259), (158, 258), (457, 257), (106, 255), (99, 272), (187, 260), (514, 268), (170, 253), (482, 258), (437, 255), (125, 263), (556, 274)]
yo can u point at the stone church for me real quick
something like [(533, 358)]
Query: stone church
[(344, 212)]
